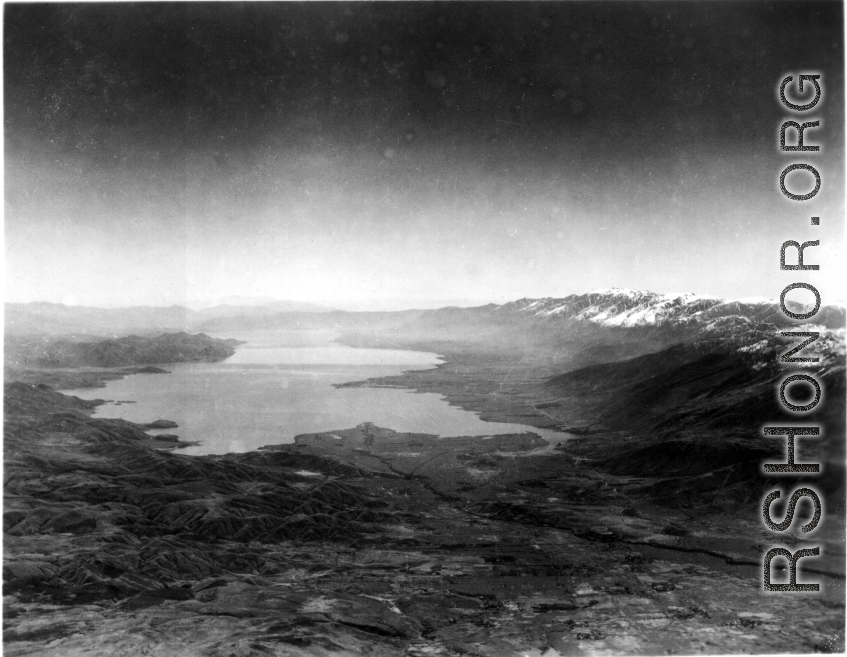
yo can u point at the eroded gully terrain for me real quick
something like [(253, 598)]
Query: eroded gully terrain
[(365, 541)]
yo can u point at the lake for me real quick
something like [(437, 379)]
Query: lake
[(279, 385)]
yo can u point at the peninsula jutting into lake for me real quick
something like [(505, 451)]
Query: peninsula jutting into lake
[(602, 468)]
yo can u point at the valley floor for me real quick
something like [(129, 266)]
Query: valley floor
[(365, 541)]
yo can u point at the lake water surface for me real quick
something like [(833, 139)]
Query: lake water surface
[(279, 385)]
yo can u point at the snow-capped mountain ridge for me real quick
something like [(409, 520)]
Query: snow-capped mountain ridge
[(617, 307)]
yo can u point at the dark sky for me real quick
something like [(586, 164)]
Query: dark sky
[(408, 154)]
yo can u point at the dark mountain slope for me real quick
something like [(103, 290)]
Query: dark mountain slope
[(120, 352), (671, 390), (695, 420)]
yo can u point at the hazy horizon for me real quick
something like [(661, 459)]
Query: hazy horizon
[(395, 155), (400, 305)]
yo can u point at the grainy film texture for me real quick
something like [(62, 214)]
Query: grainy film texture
[(424, 329)]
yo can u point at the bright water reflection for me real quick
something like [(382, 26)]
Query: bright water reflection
[(279, 385)]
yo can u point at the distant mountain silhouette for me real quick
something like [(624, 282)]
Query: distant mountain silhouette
[(41, 318)]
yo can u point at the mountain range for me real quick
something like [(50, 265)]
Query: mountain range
[(178, 347), (610, 308), (629, 308), (652, 502), (41, 318)]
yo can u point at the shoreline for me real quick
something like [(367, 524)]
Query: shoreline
[(472, 539), (402, 541), (98, 378)]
